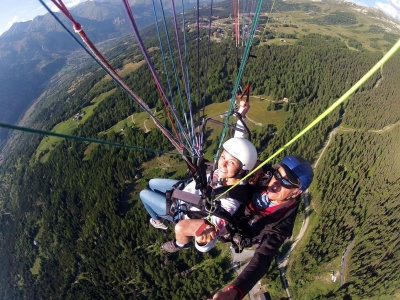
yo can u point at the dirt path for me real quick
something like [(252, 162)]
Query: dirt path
[(344, 261), (254, 122), (386, 128), (146, 130), (166, 165), (333, 132)]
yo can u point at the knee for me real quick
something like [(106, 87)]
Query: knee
[(179, 227), (142, 194)]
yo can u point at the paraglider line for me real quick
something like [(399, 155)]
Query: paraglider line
[(78, 138)]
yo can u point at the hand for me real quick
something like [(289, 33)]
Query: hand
[(207, 235), (228, 295), (244, 107)]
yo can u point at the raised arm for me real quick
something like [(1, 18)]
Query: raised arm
[(243, 109)]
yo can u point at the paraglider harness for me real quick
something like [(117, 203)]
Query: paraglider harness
[(240, 226), (179, 201)]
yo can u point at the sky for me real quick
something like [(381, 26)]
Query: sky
[(12, 11)]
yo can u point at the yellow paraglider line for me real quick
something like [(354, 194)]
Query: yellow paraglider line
[(351, 91)]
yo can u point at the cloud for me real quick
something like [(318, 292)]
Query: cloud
[(391, 8), (67, 3), (12, 21), (72, 3)]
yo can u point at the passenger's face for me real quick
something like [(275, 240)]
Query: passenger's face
[(276, 192), (228, 165)]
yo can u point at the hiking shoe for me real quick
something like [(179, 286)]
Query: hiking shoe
[(158, 224), (172, 247)]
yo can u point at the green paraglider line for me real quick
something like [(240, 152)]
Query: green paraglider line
[(240, 73), (352, 90), (78, 138)]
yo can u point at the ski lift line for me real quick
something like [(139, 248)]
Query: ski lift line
[(240, 72), (163, 95), (343, 98), (90, 140), (173, 66), (110, 71)]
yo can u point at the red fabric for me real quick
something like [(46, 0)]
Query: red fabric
[(275, 211), (237, 289)]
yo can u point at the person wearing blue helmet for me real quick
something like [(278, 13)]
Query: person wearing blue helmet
[(268, 219)]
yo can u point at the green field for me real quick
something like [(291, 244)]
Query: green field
[(313, 19), (67, 127), (258, 117)]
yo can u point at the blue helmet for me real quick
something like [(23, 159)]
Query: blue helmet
[(301, 168)]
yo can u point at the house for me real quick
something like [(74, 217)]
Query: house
[(78, 116)]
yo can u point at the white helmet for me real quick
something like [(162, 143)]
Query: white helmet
[(243, 150)]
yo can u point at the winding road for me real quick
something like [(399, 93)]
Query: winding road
[(282, 261), (344, 261)]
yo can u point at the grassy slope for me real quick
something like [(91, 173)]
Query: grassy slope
[(299, 24)]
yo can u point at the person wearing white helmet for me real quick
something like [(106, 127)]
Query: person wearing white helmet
[(237, 159)]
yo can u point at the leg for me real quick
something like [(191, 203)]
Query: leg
[(186, 229), (154, 200), (161, 185), (155, 204)]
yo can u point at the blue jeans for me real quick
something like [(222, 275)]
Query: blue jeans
[(154, 200)]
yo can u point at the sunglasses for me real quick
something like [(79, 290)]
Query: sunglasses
[(284, 181)]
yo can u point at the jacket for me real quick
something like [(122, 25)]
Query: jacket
[(270, 231)]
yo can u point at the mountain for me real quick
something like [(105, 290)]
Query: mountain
[(32, 52)]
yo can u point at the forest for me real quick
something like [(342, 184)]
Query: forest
[(72, 226)]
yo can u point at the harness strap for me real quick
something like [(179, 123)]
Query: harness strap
[(195, 200)]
